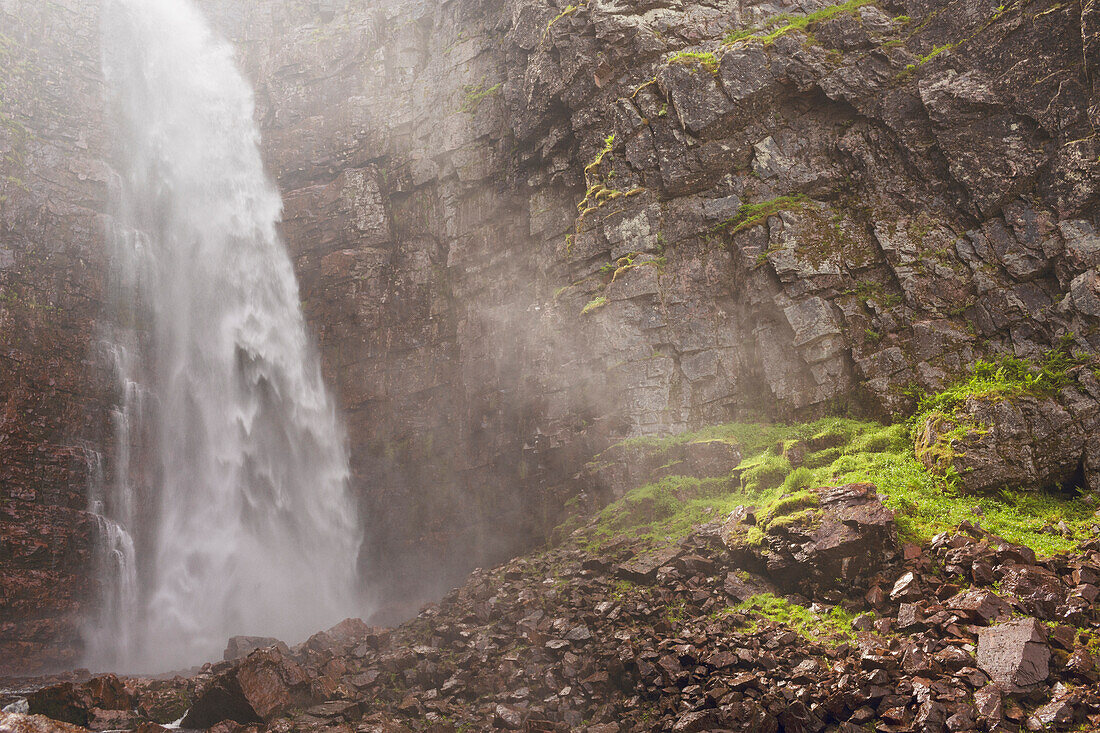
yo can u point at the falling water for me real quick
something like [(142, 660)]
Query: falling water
[(250, 529)]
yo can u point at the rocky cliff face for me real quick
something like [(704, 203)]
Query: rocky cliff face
[(53, 186), (551, 225), (523, 230)]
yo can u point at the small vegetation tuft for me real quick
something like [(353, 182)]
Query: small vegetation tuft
[(749, 215), (705, 59), (475, 94), (594, 304), (784, 23), (834, 626)]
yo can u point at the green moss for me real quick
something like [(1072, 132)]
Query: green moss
[(1004, 378), (843, 451), (834, 626), (663, 511), (785, 23), (475, 94), (750, 215), (911, 68), (798, 480), (594, 304), (692, 58), (568, 10), (763, 472)]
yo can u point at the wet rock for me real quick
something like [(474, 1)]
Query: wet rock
[(1014, 654), (253, 691), (242, 646), (101, 720), (74, 703), (20, 723)]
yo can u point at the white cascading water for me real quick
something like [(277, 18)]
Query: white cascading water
[(250, 526)]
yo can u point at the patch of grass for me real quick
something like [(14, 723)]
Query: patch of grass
[(764, 472), (839, 451), (749, 215), (705, 59), (834, 626), (594, 304), (1004, 378), (785, 23), (667, 509)]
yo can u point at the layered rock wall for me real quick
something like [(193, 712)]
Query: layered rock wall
[(53, 192), (832, 215)]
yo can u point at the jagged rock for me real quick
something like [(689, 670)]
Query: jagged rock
[(252, 691), (1015, 653), (850, 535), (101, 720), (980, 605), (507, 717), (73, 703)]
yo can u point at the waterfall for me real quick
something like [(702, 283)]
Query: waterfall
[(230, 484)]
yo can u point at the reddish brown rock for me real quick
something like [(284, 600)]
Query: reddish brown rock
[(254, 690), (18, 723), (1014, 654)]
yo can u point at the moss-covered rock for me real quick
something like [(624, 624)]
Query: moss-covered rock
[(1015, 424)]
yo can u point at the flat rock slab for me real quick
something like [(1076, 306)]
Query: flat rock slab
[(20, 723), (1014, 654)]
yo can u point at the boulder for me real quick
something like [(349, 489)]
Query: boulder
[(241, 646), (254, 690), (1027, 443), (67, 702), (979, 605), (849, 534), (1014, 654), (100, 719), (74, 703)]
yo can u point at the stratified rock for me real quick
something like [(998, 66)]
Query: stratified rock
[(254, 690), (1014, 654)]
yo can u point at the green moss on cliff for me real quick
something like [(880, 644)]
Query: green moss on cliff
[(781, 25), (693, 58), (475, 94), (749, 215)]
